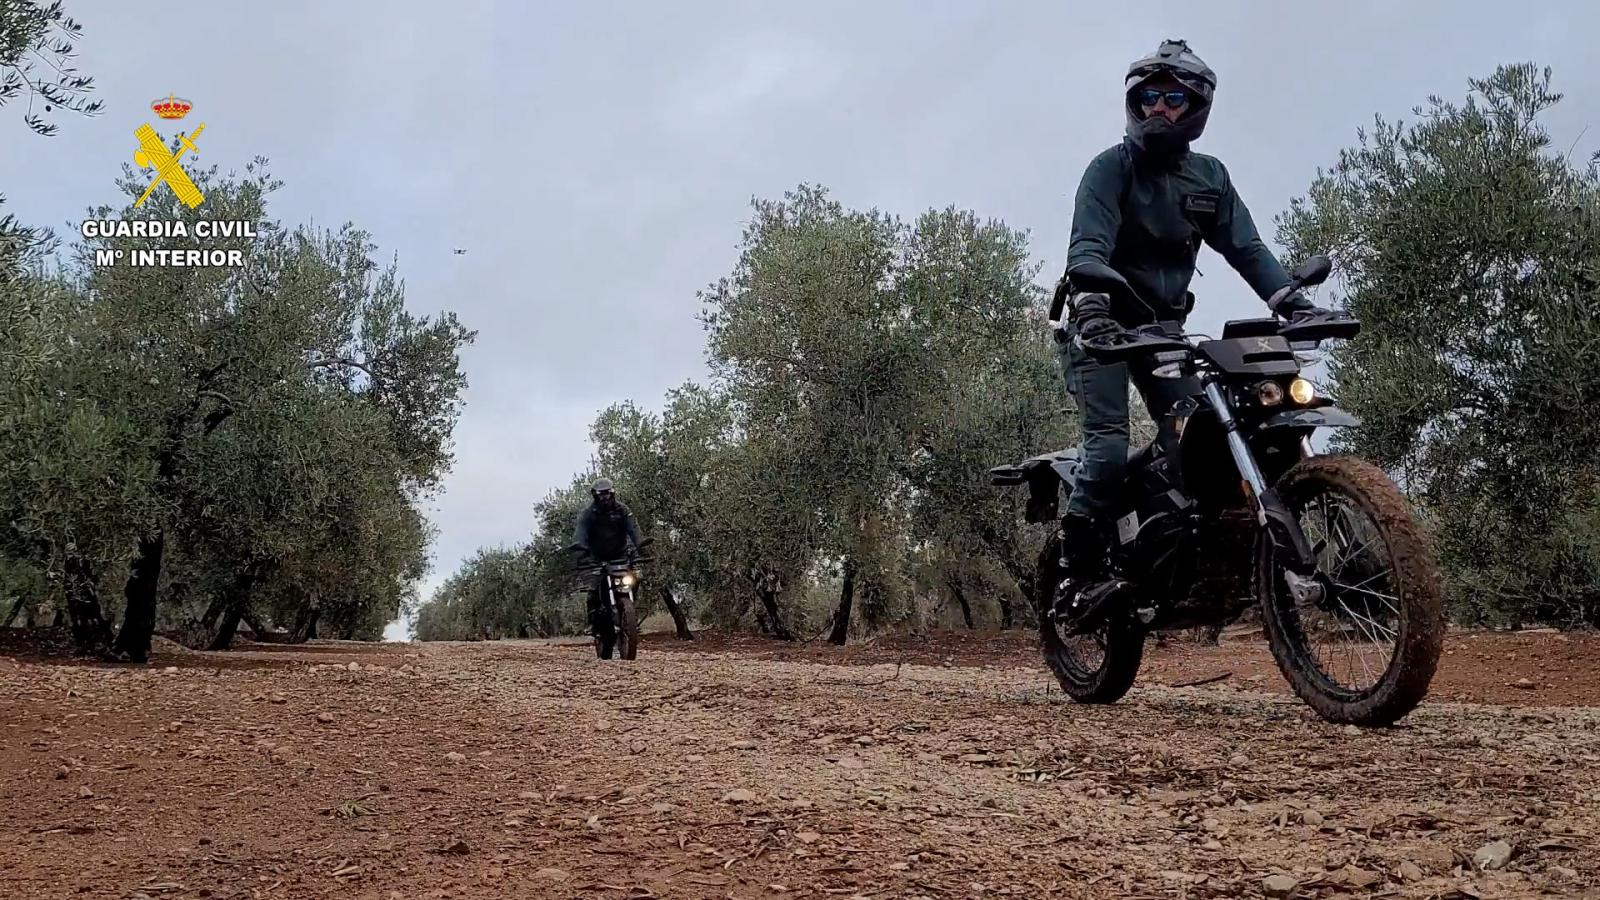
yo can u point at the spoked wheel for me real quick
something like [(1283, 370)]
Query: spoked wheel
[(628, 628), (1358, 642), (1098, 667)]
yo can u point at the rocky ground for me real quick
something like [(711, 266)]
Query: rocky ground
[(934, 767)]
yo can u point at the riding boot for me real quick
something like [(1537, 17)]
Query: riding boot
[(1083, 591)]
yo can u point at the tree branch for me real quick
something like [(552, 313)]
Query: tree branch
[(332, 361)]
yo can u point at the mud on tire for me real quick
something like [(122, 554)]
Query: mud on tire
[(1414, 579)]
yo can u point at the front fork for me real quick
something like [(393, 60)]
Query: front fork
[(1282, 527)]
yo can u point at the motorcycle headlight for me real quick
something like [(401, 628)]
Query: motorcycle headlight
[(1301, 391), (626, 579), (1269, 393)]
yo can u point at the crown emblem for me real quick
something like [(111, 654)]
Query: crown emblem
[(172, 107)]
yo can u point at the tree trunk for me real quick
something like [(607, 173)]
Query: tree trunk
[(961, 598), (16, 610), (678, 621), (214, 611), (238, 601), (841, 616), (226, 629), (1007, 614), (139, 621), (305, 621), (90, 630), (769, 602)]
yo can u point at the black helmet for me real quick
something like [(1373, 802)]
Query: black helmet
[(1174, 59), (603, 486)]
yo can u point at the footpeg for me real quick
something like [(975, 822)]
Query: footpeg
[(1087, 609)]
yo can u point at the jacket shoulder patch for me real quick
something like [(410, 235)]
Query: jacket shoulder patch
[(1200, 203)]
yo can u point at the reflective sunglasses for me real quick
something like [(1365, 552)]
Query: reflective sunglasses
[(1175, 99)]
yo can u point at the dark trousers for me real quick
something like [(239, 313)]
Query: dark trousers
[(1101, 392), (599, 615)]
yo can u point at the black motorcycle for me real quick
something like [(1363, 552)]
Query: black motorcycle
[(616, 622), (1230, 506)]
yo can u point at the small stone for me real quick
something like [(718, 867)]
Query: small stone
[(602, 726), (1239, 761), (1360, 878), (530, 795), (455, 757), (325, 718), (354, 667), (638, 747), (553, 874), (1352, 731), (1279, 886), (1492, 856), (742, 745), (1564, 873), (850, 762), (1311, 817), (694, 758), (1212, 845), (807, 837), (663, 808), (1409, 871), (459, 848), (170, 670), (1526, 684), (739, 796)]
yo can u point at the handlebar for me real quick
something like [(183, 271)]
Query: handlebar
[(1144, 341), (597, 568), (1149, 340)]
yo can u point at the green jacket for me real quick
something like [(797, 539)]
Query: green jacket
[(1146, 216)]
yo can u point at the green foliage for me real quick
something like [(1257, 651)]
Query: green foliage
[(498, 593), (1469, 247), (868, 373), (31, 35), (275, 427)]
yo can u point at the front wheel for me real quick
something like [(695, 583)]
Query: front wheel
[(1360, 640), (1098, 667), (627, 627)]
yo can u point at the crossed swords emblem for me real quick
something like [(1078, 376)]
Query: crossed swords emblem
[(153, 152)]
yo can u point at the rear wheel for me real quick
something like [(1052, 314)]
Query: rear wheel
[(1097, 667), (1360, 646)]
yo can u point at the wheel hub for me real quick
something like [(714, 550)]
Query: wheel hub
[(1310, 591)]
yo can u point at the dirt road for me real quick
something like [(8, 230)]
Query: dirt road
[(523, 770)]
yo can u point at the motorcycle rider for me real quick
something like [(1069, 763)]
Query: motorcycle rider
[(606, 531), (1143, 208)]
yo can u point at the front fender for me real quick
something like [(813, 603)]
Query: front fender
[(1321, 417)]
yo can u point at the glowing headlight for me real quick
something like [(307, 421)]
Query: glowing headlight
[(1301, 392), (625, 579), (1269, 393)]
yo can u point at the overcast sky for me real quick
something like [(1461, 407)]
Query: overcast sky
[(597, 159)]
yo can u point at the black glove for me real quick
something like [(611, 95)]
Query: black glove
[(1296, 306), (1092, 317), (1095, 328)]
